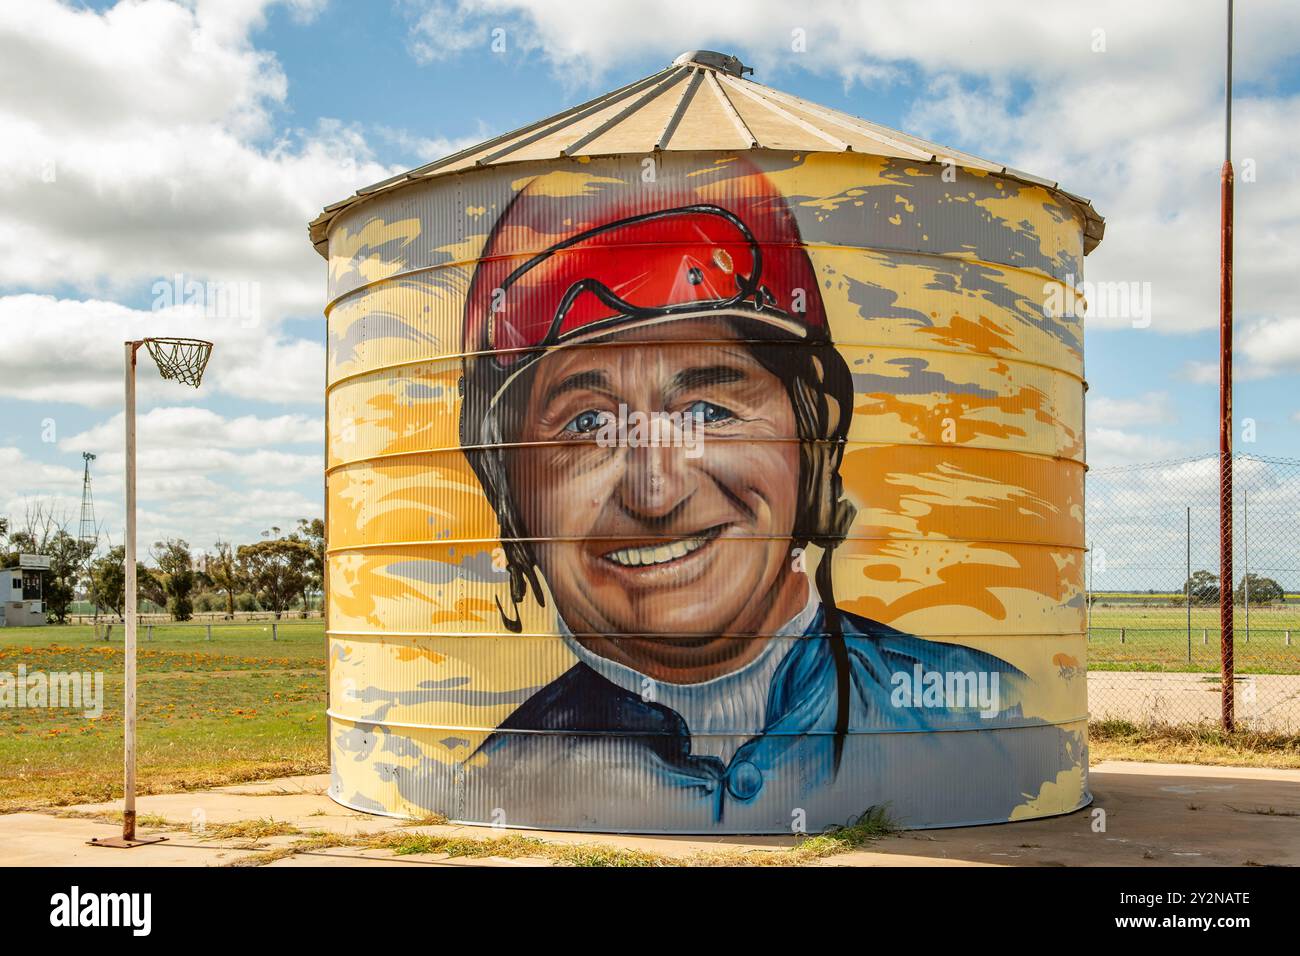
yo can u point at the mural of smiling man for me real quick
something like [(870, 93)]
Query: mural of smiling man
[(717, 686)]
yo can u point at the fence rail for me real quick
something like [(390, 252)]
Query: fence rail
[(216, 618), (109, 631)]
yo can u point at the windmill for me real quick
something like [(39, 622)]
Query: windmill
[(87, 533)]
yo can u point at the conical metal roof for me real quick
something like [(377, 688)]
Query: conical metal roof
[(702, 101)]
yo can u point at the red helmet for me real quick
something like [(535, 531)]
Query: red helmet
[(569, 268), (637, 257)]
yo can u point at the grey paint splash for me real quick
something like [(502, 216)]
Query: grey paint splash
[(877, 302), (985, 283), (361, 802), (418, 390), (359, 740), (949, 225), (451, 690), (400, 250), (472, 567), (919, 381)]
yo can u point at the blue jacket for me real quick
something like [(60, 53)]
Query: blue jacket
[(585, 753)]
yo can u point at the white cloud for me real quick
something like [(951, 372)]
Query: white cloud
[(441, 30), (1272, 346), (1152, 408), (1142, 138), (149, 146), (188, 427), (1264, 348), (1115, 446), (16, 469), (68, 350), (425, 149), (1200, 373), (1003, 37)]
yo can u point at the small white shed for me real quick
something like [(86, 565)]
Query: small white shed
[(21, 599)]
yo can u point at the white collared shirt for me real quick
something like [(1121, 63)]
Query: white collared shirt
[(721, 714)]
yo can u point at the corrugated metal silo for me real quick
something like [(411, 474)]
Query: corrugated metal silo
[(835, 563)]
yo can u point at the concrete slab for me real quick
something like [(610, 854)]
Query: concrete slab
[(1153, 814), (1144, 814), (316, 784), (36, 839), (201, 810)]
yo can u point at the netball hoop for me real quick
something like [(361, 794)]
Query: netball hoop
[(180, 359), (184, 361)]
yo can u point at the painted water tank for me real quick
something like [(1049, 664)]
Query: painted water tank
[(704, 460)]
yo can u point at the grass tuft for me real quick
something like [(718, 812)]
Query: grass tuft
[(1203, 743), (873, 824), (428, 820), (253, 830)]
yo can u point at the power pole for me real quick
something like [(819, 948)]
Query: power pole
[(1225, 402)]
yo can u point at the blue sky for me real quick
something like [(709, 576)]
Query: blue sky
[(200, 137)]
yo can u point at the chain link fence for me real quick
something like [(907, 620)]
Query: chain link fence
[(1153, 592)]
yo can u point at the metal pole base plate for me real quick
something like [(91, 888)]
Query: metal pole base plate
[(123, 844)]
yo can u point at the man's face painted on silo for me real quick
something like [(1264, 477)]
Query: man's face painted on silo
[(665, 539)]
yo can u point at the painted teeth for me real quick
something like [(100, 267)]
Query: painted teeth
[(660, 554)]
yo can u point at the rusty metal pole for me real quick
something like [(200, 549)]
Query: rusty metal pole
[(1225, 402)]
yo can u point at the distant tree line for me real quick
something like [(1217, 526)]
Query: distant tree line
[(276, 574), (1204, 589)]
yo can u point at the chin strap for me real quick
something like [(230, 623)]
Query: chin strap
[(839, 652)]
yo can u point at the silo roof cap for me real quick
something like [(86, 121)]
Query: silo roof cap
[(700, 102), (723, 62)]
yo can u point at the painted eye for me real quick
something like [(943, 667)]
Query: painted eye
[(708, 413), (585, 422)]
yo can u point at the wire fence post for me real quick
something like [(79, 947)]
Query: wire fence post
[(1087, 592), (1245, 557), (1189, 584)]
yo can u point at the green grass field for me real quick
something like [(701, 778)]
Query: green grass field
[(1276, 617), (238, 708), (1155, 639)]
